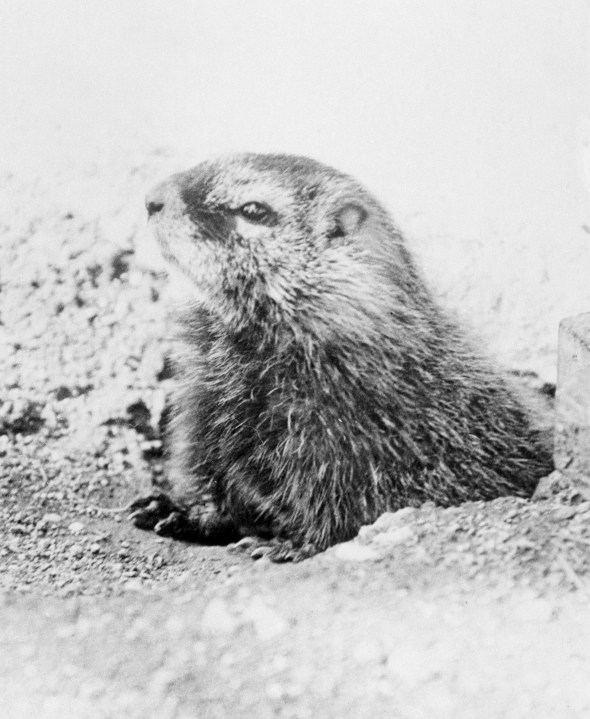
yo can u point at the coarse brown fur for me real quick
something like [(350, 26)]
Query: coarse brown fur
[(319, 384)]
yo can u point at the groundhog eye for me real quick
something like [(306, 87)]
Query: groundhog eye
[(254, 212)]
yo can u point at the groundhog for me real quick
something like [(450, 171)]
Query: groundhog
[(318, 382)]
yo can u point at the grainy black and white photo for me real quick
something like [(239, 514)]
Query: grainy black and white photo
[(294, 359)]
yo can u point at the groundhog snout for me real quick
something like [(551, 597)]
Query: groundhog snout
[(155, 200), (153, 206)]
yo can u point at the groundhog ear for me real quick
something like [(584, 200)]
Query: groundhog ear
[(348, 220)]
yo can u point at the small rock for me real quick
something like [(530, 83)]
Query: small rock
[(76, 527), (13, 545), (386, 522), (549, 486), (77, 550)]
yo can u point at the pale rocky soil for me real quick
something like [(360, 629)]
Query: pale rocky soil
[(479, 610)]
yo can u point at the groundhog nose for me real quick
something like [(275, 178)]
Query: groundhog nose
[(154, 203)]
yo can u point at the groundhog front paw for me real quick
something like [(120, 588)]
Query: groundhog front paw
[(199, 523), (175, 525), (152, 511)]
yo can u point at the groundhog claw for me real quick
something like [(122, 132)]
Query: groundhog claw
[(151, 511), (276, 550), (174, 525), (245, 544)]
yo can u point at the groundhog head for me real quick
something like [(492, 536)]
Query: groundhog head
[(281, 238)]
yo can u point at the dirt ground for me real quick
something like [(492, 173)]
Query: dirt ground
[(478, 610)]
